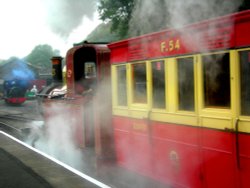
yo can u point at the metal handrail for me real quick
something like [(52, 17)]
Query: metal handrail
[(237, 143)]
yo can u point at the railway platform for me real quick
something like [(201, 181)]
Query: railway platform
[(25, 167)]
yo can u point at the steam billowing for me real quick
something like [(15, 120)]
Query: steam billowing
[(20, 70), (182, 12), (56, 138), (149, 16), (63, 16)]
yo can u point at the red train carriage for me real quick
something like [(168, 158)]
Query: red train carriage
[(181, 111)]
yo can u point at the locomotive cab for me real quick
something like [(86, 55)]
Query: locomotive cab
[(88, 76), (88, 83)]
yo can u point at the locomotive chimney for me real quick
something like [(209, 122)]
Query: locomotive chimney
[(57, 68)]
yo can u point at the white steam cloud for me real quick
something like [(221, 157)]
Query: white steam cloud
[(56, 137), (150, 16), (182, 12), (63, 16)]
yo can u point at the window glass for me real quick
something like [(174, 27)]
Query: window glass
[(216, 74), (89, 70), (139, 83), (121, 85), (158, 81), (244, 82), (186, 83)]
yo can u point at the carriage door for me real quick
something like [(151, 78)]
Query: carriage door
[(88, 93), (242, 125)]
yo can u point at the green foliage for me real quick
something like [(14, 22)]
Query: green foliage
[(40, 57), (3, 62), (119, 13)]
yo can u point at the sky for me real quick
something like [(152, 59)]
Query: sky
[(59, 23)]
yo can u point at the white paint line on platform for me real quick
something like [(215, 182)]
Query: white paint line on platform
[(90, 179)]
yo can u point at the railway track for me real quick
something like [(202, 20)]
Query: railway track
[(18, 117), (18, 125), (20, 120)]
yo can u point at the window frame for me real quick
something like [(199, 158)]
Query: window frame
[(166, 85), (218, 118), (195, 87), (175, 88), (239, 82), (132, 103), (121, 109), (243, 120)]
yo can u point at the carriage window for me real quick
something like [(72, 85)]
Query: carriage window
[(89, 70), (121, 85), (139, 83), (158, 73), (186, 83), (244, 82), (216, 74)]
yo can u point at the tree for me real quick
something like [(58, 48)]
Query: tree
[(118, 12), (40, 56)]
